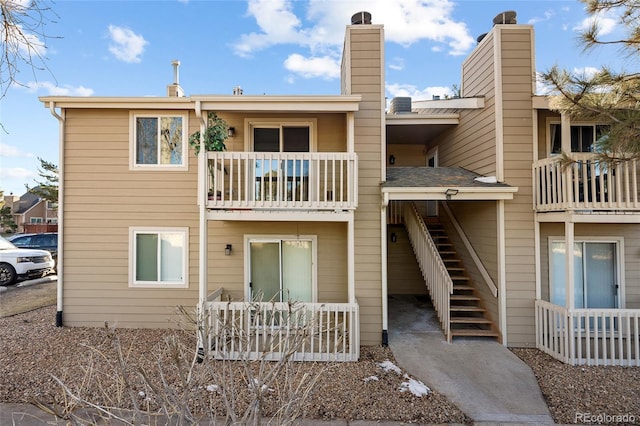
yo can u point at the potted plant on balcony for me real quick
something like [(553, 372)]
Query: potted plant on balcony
[(215, 134)]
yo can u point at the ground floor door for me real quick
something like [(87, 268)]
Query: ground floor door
[(281, 270)]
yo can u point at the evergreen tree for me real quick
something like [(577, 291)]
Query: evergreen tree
[(606, 96), (47, 188)]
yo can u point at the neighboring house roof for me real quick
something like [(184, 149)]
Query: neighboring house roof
[(27, 201), (442, 183)]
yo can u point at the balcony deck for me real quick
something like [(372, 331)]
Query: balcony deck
[(585, 185), (274, 181)]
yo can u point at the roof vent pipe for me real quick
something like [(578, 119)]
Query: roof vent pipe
[(361, 18), (176, 73), (237, 91)]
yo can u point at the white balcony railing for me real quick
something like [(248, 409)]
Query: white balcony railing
[(588, 336), (287, 181), (267, 330), (585, 184)]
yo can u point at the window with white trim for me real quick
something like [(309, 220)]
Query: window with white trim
[(584, 137), (597, 270), (158, 257), (159, 141), (35, 220), (282, 268)]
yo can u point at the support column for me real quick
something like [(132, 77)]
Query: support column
[(351, 242), (569, 238)]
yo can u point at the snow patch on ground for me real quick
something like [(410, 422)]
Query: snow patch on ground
[(388, 366), (213, 388), (414, 386), (371, 379)]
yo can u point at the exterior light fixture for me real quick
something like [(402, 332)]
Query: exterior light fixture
[(450, 192), (231, 132), (392, 159), (394, 237), (228, 249)]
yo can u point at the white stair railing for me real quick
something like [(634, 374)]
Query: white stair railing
[(433, 268)]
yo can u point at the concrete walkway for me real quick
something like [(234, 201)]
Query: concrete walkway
[(483, 378)]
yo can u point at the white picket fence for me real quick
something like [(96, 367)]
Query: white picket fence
[(588, 336), (270, 330)]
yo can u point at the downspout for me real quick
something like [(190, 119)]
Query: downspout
[(202, 246), (383, 245), (60, 260), (202, 235)]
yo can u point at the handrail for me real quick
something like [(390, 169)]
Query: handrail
[(433, 269), (476, 259)]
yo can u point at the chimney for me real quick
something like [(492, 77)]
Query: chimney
[(174, 90), (237, 91)]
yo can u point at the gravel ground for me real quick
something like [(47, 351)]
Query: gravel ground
[(33, 349), (601, 395)]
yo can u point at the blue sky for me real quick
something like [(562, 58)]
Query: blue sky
[(125, 48)]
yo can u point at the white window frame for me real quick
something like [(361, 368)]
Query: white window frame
[(620, 268), (133, 165), (36, 220), (278, 238), (557, 121), (251, 123), (133, 231)]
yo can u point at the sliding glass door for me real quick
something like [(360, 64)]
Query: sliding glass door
[(281, 270)]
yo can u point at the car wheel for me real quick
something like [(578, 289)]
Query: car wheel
[(7, 274)]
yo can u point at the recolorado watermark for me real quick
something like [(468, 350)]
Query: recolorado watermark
[(604, 418)]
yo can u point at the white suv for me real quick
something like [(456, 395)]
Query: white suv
[(24, 263)]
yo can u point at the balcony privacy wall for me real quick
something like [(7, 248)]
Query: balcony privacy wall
[(362, 73)]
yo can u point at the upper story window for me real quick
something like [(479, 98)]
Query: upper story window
[(35, 220), (159, 141), (583, 137)]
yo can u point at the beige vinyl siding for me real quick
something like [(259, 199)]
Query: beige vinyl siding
[(362, 72), (517, 88), (472, 144), (403, 272), (407, 155), (228, 271), (629, 232), (103, 198), (331, 129)]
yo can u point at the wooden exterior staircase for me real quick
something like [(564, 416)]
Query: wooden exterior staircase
[(468, 316)]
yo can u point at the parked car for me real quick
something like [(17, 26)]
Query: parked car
[(22, 263), (47, 241)]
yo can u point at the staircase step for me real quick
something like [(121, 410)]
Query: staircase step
[(446, 252), (474, 333), (462, 287), (460, 308), (454, 268), (470, 320), (463, 297), (451, 260), (460, 278)]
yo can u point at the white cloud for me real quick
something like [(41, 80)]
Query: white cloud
[(548, 14), (405, 21), (126, 45), (417, 94), (17, 173), (52, 89), (13, 151), (606, 22), (586, 72), (322, 67), (397, 64)]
